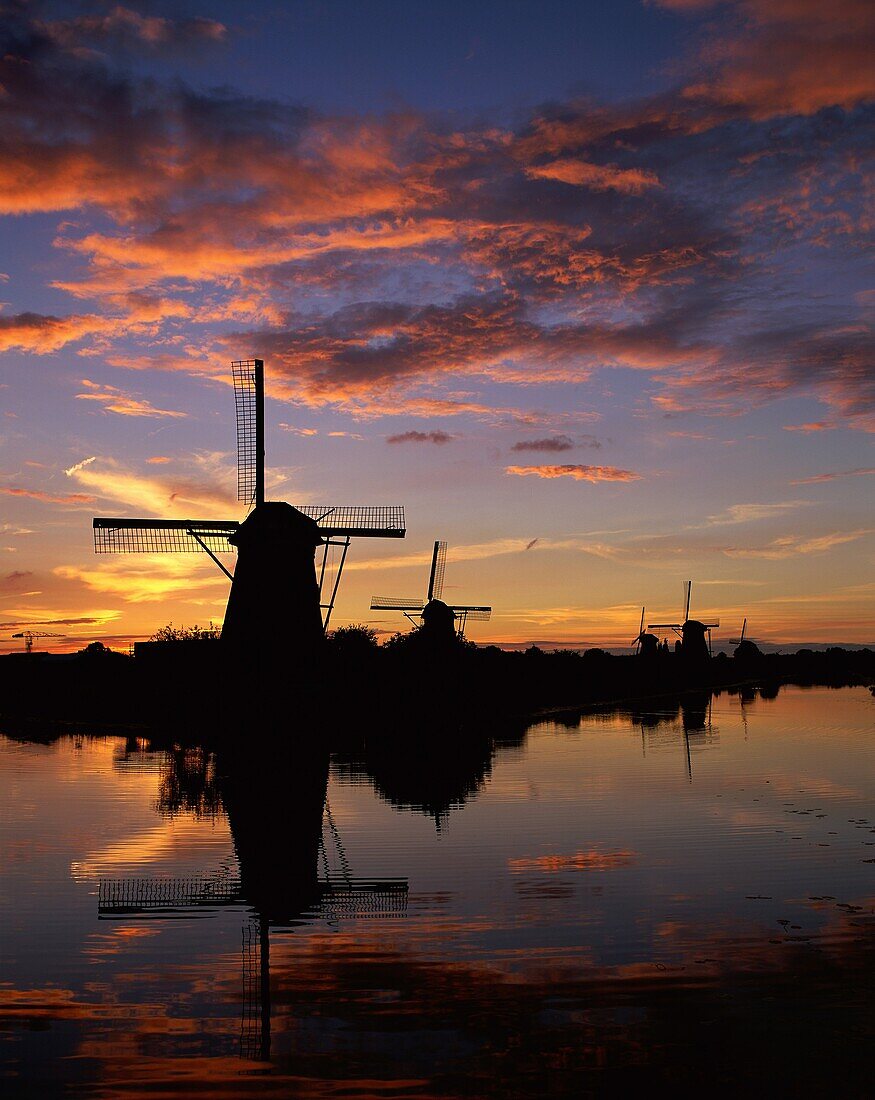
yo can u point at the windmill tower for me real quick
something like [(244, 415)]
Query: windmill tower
[(433, 610), (692, 632), (277, 603)]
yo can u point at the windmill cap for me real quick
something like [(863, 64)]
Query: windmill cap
[(437, 609), (276, 519)]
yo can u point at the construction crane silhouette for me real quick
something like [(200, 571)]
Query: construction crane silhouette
[(409, 607), (275, 592), (29, 636)]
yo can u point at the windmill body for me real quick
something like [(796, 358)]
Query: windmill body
[(439, 619), (281, 597), (275, 579)]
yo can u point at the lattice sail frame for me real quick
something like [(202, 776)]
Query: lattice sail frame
[(438, 568), (247, 401), (339, 895), (192, 536)]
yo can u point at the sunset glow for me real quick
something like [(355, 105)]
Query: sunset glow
[(587, 296)]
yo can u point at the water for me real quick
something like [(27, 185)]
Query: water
[(684, 898)]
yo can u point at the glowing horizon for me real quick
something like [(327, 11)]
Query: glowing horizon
[(587, 296)]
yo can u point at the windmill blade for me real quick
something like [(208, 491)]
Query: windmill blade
[(481, 614), (637, 642), (390, 603), (689, 592), (193, 536), (162, 536), (248, 376), (380, 521), (117, 897), (438, 568), (354, 897)]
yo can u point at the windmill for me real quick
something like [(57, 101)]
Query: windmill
[(745, 647), (274, 586), (432, 602), (691, 631), (646, 645), (29, 636), (744, 638)]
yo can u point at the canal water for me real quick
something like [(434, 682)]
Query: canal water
[(681, 896)]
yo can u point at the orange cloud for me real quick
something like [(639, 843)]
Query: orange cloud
[(124, 404), (48, 498), (40, 334), (789, 546), (174, 497), (575, 471), (599, 177), (151, 578)]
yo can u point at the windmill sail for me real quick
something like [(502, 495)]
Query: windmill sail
[(248, 378), (340, 895), (181, 536), (395, 603), (438, 568)]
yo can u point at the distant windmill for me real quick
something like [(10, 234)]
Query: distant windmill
[(645, 644), (744, 637), (462, 612), (29, 636), (745, 647), (691, 631), (275, 594)]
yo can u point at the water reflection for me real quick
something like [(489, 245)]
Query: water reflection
[(276, 815), (681, 895)]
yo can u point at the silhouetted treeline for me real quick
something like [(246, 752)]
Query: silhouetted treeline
[(418, 679)]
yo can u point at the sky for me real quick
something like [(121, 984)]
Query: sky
[(584, 286)]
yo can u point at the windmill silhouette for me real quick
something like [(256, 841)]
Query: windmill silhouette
[(432, 602), (691, 631), (646, 645), (276, 596), (745, 647)]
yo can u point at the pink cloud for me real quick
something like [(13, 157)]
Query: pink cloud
[(49, 498)]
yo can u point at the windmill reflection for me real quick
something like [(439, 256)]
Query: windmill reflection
[(434, 771), (290, 872)]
